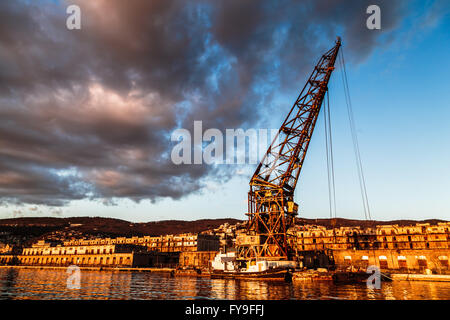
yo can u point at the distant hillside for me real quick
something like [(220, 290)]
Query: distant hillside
[(108, 226), (36, 227)]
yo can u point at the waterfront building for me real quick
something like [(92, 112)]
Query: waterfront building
[(167, 243), (5, 248), (196, 259), (122, 255), (415, 248), (163, 251)]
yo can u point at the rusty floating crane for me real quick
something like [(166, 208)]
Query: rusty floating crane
[(271, 206)]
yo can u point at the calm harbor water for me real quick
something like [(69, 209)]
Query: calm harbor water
[(18, 283)]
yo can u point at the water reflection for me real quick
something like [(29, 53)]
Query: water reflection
[(51, 284), (8, 284)]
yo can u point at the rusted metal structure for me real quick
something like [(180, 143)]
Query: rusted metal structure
[(271, 206)]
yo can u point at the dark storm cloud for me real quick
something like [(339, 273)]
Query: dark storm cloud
[(88, 113)]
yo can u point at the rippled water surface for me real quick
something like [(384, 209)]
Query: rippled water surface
[(18, 283)]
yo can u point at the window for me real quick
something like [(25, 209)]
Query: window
[(383, 262), (444, 261), (402, 262), (348, 260), (365, 261), (422, 261)]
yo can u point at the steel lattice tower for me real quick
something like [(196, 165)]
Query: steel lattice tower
[(271, 207)]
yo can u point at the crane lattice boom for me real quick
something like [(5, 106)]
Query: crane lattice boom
[(271, 207)]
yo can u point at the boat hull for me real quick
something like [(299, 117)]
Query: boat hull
[(272, 275)]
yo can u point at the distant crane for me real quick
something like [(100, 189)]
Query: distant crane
[(271, 206)]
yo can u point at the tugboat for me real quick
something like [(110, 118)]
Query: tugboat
[(225, 266)]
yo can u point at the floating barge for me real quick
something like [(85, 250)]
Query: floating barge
[(338, 277), (275, 274), (312, 276)]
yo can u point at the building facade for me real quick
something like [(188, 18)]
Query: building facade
[(160, 251), (121, 255), (167, 243), (413, 248)]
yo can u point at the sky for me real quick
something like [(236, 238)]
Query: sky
[(86, 116)]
